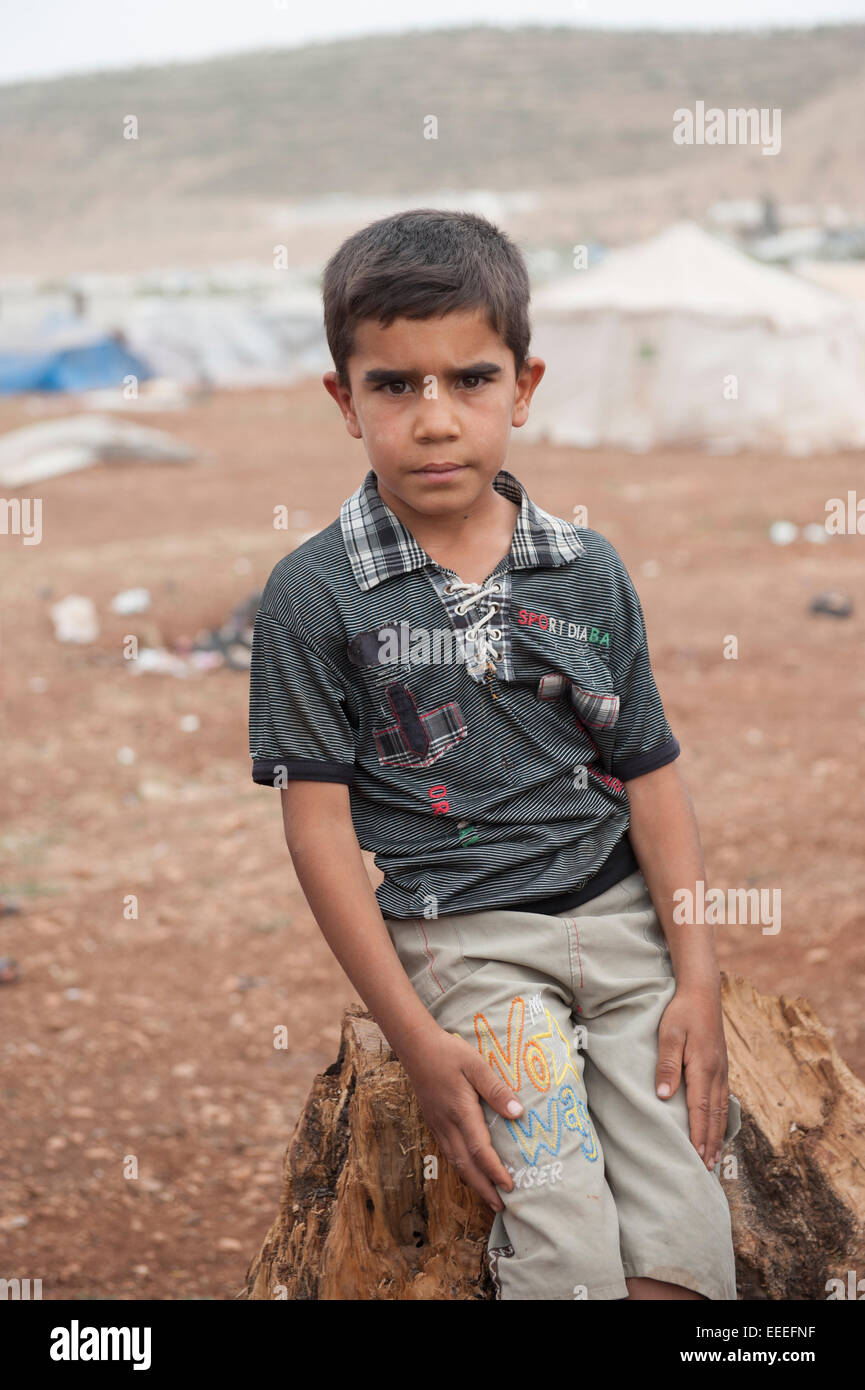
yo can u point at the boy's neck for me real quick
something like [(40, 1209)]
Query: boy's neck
[(470, 542)]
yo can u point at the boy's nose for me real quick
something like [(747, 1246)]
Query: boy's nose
[(436, 418)]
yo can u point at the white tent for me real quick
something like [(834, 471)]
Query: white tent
[(684, 340)]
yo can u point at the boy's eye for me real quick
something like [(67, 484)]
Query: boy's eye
[(470, 376)]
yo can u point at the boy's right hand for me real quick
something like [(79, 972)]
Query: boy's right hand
[(449, 1078)]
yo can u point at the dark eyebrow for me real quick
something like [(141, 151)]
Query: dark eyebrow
[(383, 374)]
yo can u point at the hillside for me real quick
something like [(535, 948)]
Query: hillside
[(582, 118)]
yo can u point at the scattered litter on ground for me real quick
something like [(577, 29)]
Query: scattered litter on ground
[(234, 638), (189, 723), (205, 660), (131, 601), (53, 447), (833, 602), (158, 661), (8, 970), (150, 789), (126, 755), (75, 619), (228, 645), (815, 533), (783, 532)]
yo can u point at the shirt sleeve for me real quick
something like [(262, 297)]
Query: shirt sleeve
[(644, 740), (298, 723)]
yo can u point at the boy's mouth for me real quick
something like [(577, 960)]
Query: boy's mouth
[(444, 470)]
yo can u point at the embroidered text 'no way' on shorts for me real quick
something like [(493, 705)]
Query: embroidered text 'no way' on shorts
[(607, 1183)]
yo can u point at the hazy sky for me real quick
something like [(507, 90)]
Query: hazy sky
[(46, 37)]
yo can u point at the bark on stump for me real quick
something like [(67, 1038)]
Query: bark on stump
[(360, 1218)]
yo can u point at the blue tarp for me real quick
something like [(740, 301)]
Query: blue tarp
[(86, 367)]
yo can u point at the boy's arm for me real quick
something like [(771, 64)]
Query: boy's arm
[(665, 838), (666, 841), (447, 1074), (327, 860)]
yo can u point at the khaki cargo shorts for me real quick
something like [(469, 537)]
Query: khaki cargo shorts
[(607, 1183)]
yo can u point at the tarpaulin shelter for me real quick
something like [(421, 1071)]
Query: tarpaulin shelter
[(63, 365)]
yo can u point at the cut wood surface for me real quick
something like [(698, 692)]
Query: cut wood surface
[(362, 1217), (798, 1203)]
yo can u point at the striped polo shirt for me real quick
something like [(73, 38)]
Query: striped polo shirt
[(485, 732)]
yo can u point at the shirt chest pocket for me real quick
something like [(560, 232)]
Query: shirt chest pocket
[(409, 734), (589, 691)]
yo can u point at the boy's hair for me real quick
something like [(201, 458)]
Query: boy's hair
[(420, 264)]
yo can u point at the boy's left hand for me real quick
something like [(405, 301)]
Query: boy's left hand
[(691, 1034)]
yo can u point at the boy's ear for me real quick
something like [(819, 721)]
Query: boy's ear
[(525, 385), (342, 396), (330, 381)]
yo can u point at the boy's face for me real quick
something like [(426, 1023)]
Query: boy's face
[(434, 391)]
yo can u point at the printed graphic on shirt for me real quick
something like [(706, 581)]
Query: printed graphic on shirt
[(417, 739), (580, 632), (367, 651)]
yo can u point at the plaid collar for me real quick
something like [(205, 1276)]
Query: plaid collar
[(379, 545)]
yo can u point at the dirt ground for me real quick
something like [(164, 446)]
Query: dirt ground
[(148, 1041)]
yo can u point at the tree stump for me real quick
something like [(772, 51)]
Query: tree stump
[(364, 1216)]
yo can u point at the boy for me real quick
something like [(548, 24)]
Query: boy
[(456, 679)]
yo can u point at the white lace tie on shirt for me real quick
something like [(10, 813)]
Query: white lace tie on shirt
[(480, 651)]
